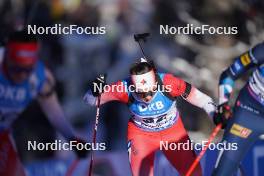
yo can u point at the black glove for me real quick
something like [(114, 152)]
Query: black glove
[(98, 85), (222, 114), (80, 153)]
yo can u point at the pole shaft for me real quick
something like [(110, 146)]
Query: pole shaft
[(201, 154), (95, 132)]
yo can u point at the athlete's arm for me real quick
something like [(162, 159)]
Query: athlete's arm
[(113, 92), (191, 94), (242, 64), (201, 100), (51, 107)]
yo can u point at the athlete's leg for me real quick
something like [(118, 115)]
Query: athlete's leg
[(181, 158), (243, 130), (10, 164), (141, 148)]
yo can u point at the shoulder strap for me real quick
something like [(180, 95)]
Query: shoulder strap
[(131, 98), (160, 84)]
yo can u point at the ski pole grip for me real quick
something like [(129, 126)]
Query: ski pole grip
[(142, 36), (102, 77)]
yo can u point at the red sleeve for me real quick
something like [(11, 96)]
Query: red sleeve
[(177, 85), (115, 92)]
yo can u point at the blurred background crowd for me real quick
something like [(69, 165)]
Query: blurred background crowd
[(77, 59)]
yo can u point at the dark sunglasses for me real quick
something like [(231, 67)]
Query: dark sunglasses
[(18, 69)]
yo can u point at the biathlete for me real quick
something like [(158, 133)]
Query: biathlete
[(246, 125), (23, 77), (151, 99)]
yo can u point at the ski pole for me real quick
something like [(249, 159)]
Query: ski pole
[(201, 154), (141, 38), (95, 132), (72, 167)]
